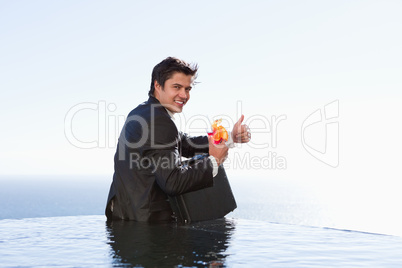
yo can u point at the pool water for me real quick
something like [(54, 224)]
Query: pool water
[(88, 241)]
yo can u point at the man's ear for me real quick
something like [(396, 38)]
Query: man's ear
[(158, 89), (157, 86)]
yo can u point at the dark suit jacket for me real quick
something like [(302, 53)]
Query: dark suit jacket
[(148, 165)]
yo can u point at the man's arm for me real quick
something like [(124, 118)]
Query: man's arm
[(163, 152), (176, 179), (191, 145)]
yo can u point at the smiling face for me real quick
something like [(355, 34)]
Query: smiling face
[(175, 93)]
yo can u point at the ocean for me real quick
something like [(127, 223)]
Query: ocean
[(59, 221)]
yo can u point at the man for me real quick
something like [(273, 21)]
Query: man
[(148, 164)]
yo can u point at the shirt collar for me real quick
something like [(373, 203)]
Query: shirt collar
[(155, 100), (170, 113)]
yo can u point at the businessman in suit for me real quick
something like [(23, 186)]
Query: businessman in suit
[(148, 164)]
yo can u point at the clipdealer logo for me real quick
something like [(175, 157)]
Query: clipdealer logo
[(109, 125), (320, 134)]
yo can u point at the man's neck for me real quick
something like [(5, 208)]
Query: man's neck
[(171, 114)]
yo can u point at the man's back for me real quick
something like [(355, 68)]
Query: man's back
[(147, 167)]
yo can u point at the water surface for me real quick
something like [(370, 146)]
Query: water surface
[(87, 241)]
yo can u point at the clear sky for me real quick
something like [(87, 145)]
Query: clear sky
[(71, 70)]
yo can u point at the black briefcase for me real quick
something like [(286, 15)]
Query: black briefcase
[(205, 204)]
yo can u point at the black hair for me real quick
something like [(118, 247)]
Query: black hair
[(166, 68)]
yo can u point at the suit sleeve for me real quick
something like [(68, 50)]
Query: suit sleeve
[(164, 157), (193, 145)]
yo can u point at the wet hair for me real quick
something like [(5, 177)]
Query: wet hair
[(166, 68)]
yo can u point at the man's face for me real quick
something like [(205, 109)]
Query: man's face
[(175, 93)]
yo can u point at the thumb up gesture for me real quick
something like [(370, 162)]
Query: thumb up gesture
[(241, 133)]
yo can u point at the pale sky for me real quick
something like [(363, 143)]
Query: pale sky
[(269, 59)]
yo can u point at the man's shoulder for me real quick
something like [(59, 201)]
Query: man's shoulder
[(153, 116), (150, 110), (152, 119)]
